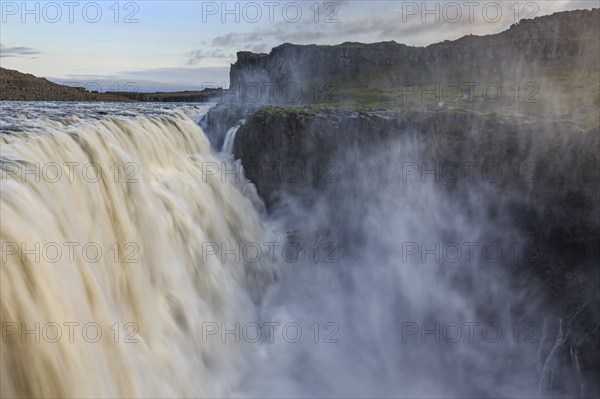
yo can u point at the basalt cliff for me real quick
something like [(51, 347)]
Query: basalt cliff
[(512, 117)]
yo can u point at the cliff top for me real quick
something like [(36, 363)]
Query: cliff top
[(546, 66), (575, 24)]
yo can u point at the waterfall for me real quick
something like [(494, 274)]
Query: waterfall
[(106, 282), (125, 272), (227, 148)]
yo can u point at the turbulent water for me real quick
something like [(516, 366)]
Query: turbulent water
[(138, 262), (148, 193)]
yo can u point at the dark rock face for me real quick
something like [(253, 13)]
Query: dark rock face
[(292, 63), (565, 159), (549, 160), (519, 49), (547, 188), (220, 118), (548, 183), (289, 150)]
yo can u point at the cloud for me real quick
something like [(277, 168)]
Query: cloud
[(195, 56), (278, 33), (368, 28), (392, 22), (6, 51)]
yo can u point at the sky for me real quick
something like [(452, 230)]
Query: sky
[(179, 45)]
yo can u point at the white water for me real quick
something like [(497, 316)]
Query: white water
[(362, 297), (227, 148), (167, 214)]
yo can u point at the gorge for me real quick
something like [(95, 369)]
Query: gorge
[(354, 220)]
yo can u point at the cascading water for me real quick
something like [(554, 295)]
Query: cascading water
[(105, 222), (227, 148)]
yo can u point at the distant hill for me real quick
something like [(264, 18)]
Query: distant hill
[(18, 86)]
